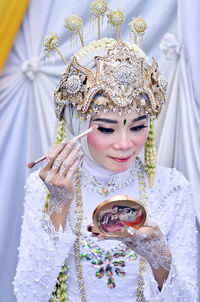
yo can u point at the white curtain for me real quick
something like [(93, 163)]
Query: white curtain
[(27, 117), (179, 145)]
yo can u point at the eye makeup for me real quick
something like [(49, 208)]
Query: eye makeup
[(105, 130)]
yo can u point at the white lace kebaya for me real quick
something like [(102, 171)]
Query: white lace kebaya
[(170, 206)]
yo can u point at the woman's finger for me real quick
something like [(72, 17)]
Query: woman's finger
[(58, 158), (69, 161), (72, 169), (52, 155), (66, 151)]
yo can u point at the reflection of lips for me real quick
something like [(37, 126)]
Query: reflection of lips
[(134, 223), (113, 228), (111, 222)]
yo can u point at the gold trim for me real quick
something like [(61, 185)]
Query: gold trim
[(79, 211)]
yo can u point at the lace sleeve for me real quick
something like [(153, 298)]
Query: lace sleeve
[(181, 284), (42, 251)]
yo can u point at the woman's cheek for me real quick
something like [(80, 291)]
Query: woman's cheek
[(97, 141), (140, 140)]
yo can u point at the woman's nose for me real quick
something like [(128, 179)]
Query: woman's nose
[(123, 142)]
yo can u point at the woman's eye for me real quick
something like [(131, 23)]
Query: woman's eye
[(106, 130), (138, 128)]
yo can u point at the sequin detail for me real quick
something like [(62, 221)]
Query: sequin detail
[(111, 283), (97, 262), (100, 273), (120, 272), (110, 264), (131, 255), (104, 191)]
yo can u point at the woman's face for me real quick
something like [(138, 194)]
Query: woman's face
[(118, 139)]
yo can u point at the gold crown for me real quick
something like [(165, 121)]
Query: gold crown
[(120, 78), (121, 81)]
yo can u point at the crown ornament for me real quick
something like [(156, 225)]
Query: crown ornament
[(138, 27), (116, 18), (74, 25), (98, 9), (120, 79)]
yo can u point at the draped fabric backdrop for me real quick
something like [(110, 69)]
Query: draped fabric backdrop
[(27, 119)]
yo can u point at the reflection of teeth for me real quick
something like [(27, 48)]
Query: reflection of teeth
[(127, 217), (123, 217)]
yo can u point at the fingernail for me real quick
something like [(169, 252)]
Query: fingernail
[(131, 231), (70, 143)]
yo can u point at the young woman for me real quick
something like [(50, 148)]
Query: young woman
[(155, 263)]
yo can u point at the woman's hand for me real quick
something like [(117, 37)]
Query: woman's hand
[(148, 242), (57, 173)]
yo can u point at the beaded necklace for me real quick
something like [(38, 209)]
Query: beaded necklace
[(79, 211), (91, 183)]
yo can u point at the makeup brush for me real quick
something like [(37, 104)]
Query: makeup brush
[(37, 161)]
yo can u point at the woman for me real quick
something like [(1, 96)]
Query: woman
[(156, 262)]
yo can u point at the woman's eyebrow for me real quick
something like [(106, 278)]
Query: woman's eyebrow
[(105, 120), (139, 118)]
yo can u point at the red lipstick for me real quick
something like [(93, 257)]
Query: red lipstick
[(121, 159)]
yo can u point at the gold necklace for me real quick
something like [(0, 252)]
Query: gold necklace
[(79, 211)]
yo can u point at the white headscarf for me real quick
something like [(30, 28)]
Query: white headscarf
[(74, 125)]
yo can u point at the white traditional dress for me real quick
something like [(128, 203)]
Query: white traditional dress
[(110, 270)]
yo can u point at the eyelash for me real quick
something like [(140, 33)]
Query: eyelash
[(110, 130), (138, 128), (106, 130)]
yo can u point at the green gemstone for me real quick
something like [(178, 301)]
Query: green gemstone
[(85, 256), (97, 262), (100, 273), (111, 283), (119, 254)]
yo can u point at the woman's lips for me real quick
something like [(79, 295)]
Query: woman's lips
[(121, 159)]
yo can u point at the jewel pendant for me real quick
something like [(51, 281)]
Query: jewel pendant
[(104, 191)]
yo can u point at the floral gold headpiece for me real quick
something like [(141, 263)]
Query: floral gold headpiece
[(121, 79)]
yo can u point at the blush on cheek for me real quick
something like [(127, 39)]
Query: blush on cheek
[(140, 140), (95, 141)]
